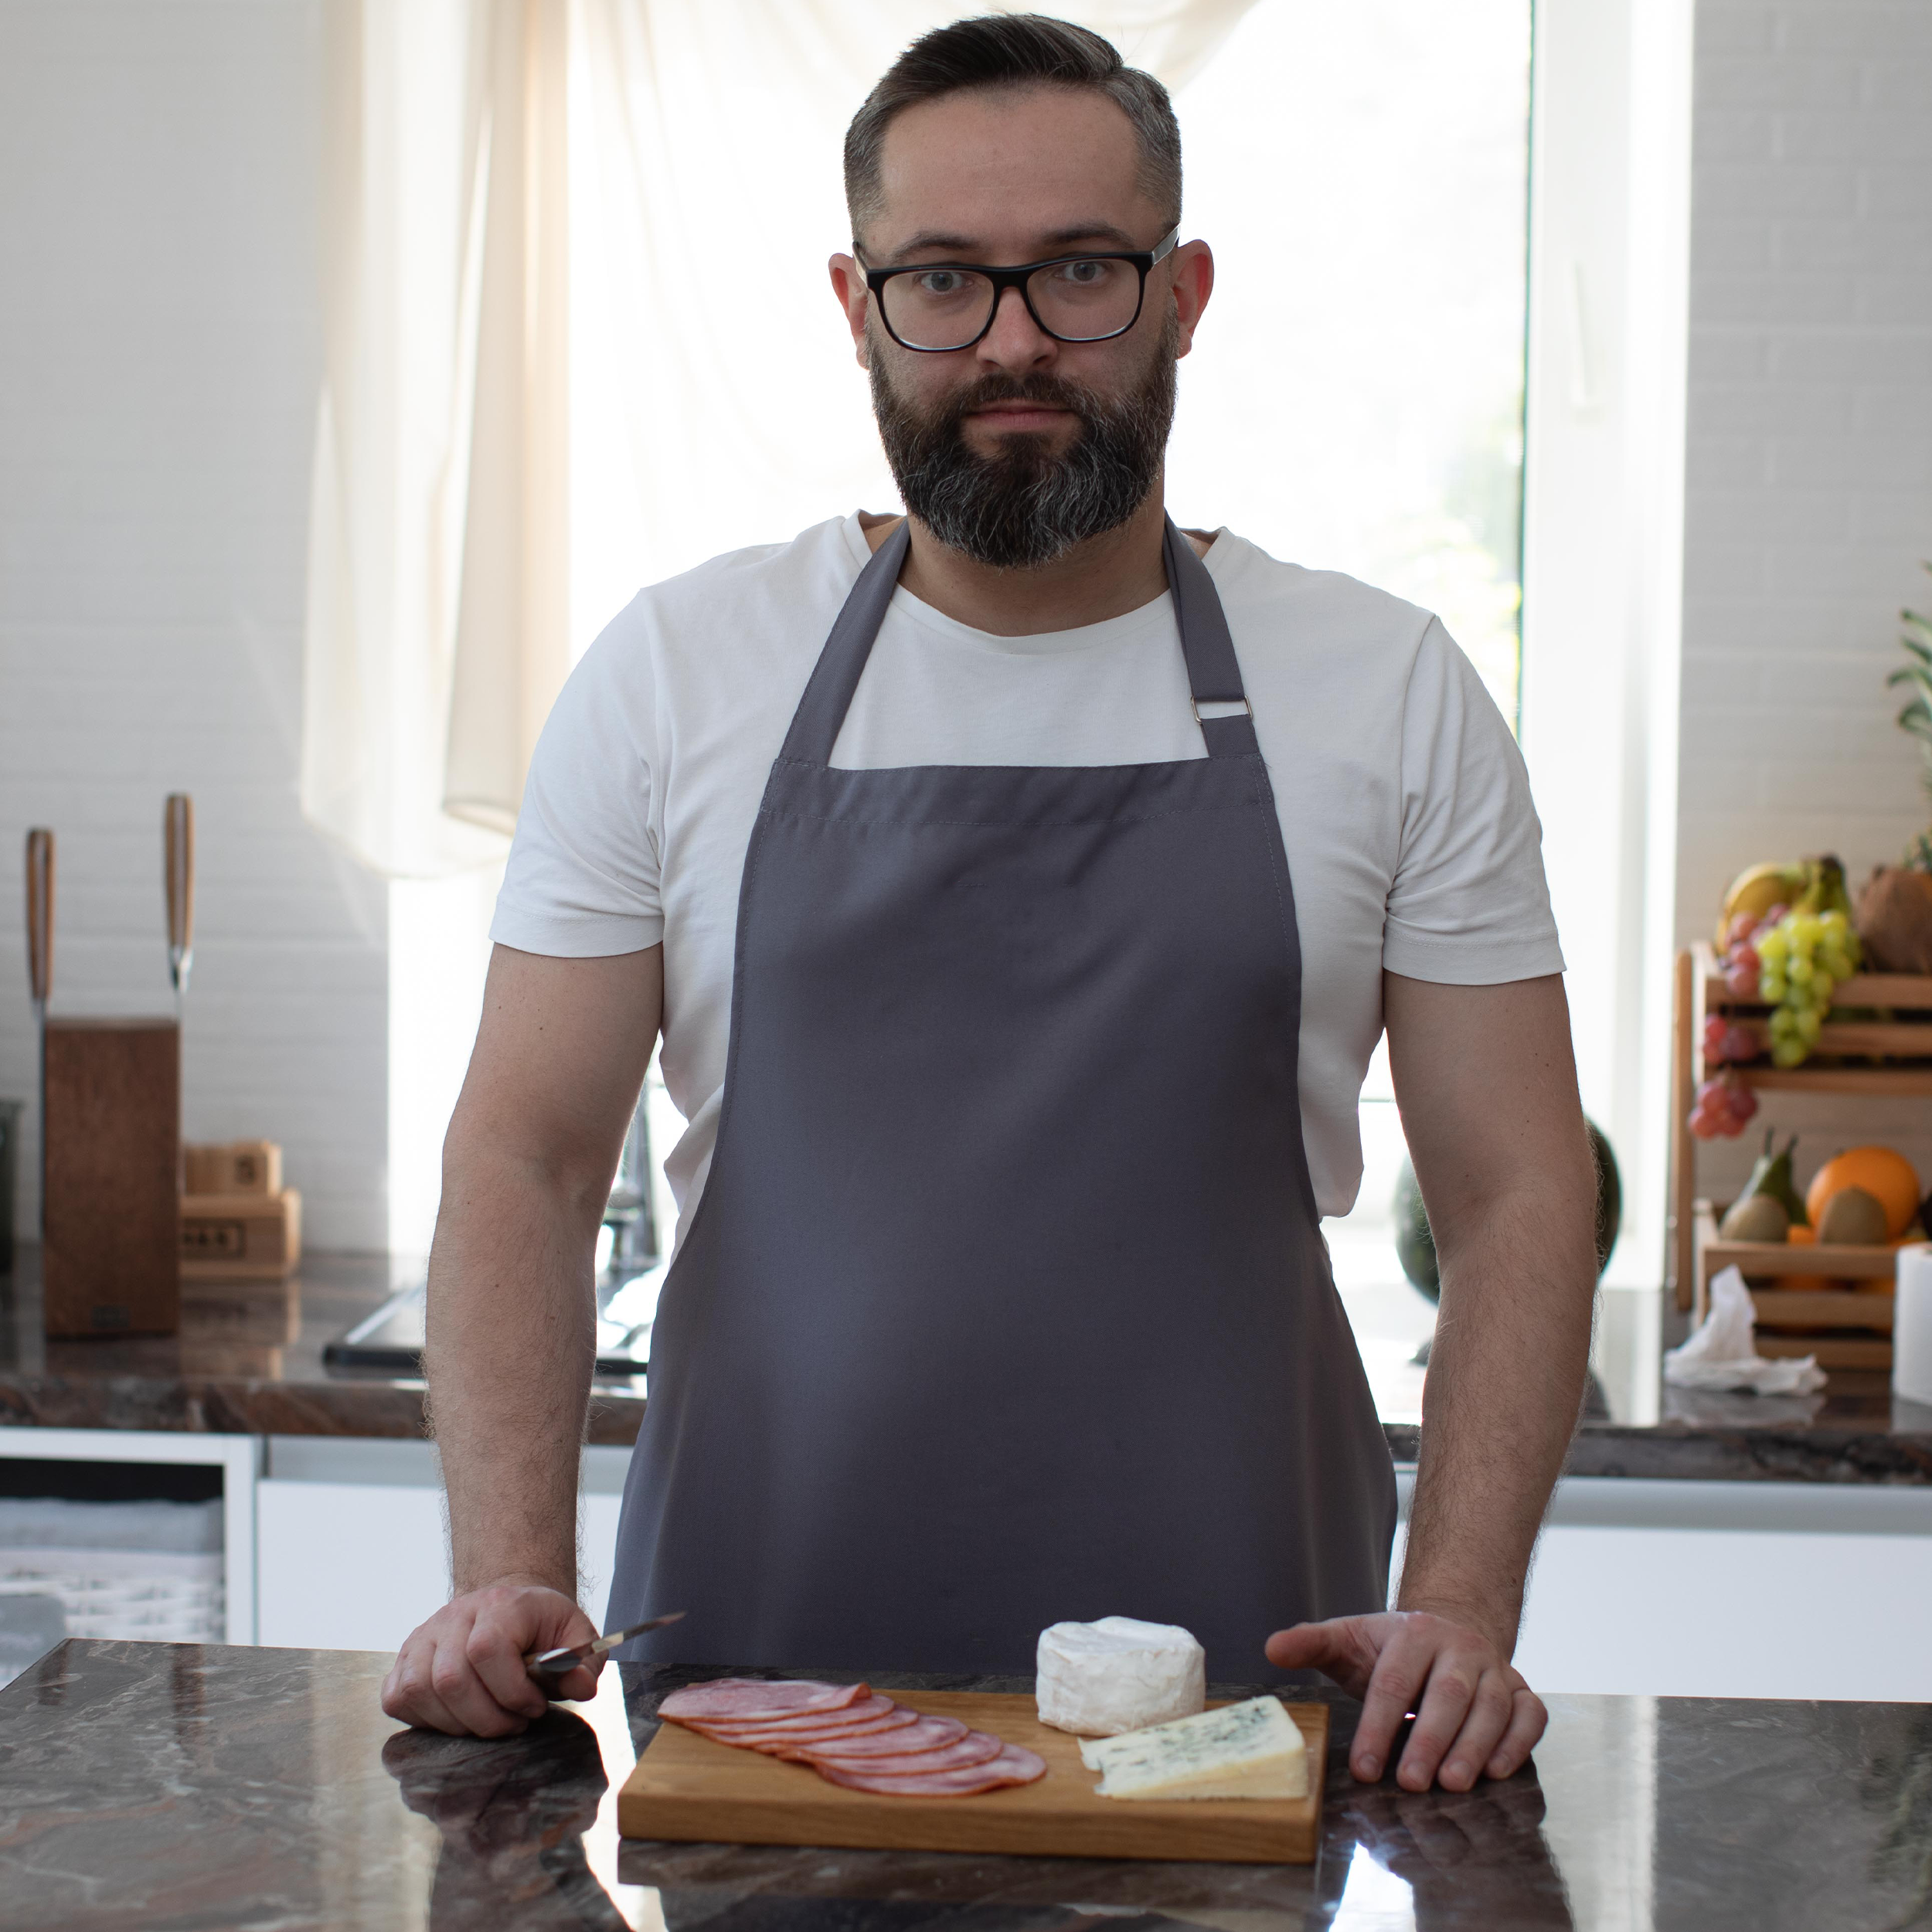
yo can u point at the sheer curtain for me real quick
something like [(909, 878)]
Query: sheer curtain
[(542, 386)]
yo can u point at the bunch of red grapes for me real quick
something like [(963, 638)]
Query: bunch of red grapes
[(1741, 964), (1724, 1105)]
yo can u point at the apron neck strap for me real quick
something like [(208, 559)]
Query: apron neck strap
[(1213, 673), (814, 725)]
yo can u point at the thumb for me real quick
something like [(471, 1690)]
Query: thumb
[(1339, 1648), (1300, 1647)]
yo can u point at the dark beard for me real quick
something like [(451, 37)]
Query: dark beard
[(1026, 506)]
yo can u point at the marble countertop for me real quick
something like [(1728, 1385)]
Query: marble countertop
[(153, 1786), (249, 1361)]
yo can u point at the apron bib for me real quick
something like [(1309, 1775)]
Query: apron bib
[(1005, 1300)]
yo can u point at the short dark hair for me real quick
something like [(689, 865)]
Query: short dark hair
[(1015, 50)]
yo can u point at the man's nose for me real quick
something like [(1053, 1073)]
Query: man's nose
[(1015, 341)]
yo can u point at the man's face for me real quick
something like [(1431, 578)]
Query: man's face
[(1021, 446)]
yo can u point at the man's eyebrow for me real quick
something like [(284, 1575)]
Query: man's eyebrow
[(963, 247)]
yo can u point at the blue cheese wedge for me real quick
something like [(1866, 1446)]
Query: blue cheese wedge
[(1253, 1749)]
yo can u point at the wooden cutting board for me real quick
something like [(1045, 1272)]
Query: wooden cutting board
[(690, 1788)]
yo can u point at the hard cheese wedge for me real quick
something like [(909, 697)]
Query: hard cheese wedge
[(1253, 1749)]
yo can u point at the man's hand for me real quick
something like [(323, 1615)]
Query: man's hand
[(1474, 1714), (463, 1671)]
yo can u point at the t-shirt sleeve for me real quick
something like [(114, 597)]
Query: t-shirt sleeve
[(1469, 905), (583, 877)]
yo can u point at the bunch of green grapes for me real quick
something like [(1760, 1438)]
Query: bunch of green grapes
[(1800, 960)]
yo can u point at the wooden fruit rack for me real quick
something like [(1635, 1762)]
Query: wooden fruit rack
[(1891, 1055)]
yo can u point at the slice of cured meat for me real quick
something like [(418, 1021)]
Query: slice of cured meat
[(1015, 1765), (976, 1747), (786, 1744), (753, 1697), (867, 1712), (924, 1733)]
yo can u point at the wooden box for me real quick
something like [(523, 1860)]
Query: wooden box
[(111, 1215), (1845, 1328), (1876, 1040), (240, 1237), (235, 1167)]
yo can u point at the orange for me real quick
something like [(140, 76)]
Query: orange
[(1801, 1237), (1887, 1177)]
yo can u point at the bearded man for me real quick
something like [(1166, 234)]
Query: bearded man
[(1021, 886)]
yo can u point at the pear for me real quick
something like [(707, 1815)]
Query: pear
[(1772, 1175)]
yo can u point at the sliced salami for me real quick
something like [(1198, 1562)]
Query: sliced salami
[(924, 1733), (1015, 1765), (753, 1697), (976, 1747)]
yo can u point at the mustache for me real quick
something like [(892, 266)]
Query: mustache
[(1049, 392)]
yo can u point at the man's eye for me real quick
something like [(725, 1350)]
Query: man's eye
[(941, 282), (1085, 274)]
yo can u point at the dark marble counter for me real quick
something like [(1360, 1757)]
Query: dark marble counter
[(249, 1361), (177, 1786)]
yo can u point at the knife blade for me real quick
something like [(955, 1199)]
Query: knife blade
[(554, 1663), (178, 878)]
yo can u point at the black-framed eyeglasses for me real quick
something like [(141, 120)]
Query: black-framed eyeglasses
[(937, 307)]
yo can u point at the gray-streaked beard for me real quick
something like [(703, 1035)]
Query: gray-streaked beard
[(1026, 506)]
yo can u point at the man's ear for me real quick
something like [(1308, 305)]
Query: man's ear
[(1192, 267), (848, 284)]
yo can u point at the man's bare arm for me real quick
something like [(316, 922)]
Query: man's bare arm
[(1487, 1088), (559, 1057)]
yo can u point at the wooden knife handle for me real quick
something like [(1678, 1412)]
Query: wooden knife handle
[(40, 914), (178, 826)]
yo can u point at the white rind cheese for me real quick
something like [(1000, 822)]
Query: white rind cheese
[(1100, 1679), (1254, 1749)]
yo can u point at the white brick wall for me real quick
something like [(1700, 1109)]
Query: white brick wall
[(158, 361), (1808, 498)]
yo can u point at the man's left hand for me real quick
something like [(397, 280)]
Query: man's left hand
[(1474, 1714)]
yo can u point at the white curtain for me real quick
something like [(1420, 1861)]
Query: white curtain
[(543, 381)]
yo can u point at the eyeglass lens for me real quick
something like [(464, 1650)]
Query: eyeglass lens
[(1079, 301)]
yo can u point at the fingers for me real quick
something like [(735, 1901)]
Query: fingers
[(493, 1654), (463, 1670), (1393, 1689), (1527, 1720), (409, 1695), (1457, 1760)]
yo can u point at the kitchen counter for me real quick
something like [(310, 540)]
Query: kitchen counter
[(177, 1785), (249, 1361)]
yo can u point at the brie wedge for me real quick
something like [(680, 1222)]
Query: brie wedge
[(1254, 1749), (1118, 1675)]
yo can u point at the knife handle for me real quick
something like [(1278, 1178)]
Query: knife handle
[(178, 829), (40, 915)]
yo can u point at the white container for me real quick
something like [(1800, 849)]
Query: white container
[(1912, 1325)]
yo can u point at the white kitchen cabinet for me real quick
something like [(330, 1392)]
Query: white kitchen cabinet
[(351, 1553), (1730, 1589)]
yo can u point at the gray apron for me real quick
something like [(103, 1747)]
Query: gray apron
[(1006, 1300)]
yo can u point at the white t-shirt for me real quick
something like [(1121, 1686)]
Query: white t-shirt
[(1405, 808)]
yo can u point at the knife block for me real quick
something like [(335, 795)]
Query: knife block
[(110, 1218)]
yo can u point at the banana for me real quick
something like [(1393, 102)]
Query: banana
[(1757, 890)]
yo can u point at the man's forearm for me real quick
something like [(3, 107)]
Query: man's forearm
[(1506, 1373), (512, 1340)]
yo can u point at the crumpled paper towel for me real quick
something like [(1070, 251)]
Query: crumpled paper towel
[(1721, 1354)]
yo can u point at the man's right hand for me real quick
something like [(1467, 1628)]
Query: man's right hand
[(463, 1671)]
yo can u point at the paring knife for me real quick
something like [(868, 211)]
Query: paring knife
[(554, 1663), (177, 835)]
